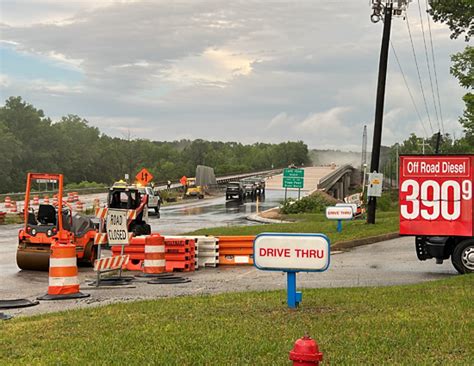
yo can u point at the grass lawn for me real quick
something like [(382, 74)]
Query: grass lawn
[(386, 222), (430, 323)]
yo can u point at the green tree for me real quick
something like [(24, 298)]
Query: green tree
[(459, 16)]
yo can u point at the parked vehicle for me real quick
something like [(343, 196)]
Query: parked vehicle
[(193, 190), (154, 199), (235, 189), (437, 206), (52, 223)]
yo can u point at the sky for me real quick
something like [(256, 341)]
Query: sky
[(247, 71)]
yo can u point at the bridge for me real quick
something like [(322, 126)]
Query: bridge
[(338, 182)]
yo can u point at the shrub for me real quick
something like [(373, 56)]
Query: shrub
[(314, 203)]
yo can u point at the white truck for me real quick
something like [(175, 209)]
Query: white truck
[(154, 199)]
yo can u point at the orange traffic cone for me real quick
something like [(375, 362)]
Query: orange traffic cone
[(8, 202), (63, 281)]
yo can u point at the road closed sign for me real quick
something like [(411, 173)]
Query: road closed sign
[(291, 252), (437, 189), (117, 230), (339, 213)]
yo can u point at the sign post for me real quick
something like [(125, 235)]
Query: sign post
[(293, 178), (339, 213), (291, 253)]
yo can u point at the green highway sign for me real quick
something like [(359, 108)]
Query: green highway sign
[(295, 173), (293, 182)]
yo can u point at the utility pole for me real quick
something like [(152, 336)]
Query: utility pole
[(363, 160), (381, 12), (438, 142)]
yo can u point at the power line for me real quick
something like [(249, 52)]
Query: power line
[(419, 76), (408, 87), (434, 68), (428, 65)]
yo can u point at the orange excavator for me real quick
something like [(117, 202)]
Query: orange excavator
[(49, 223)]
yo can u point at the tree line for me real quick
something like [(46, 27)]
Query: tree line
[(30, 141)]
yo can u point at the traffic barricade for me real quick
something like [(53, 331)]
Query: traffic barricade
[(155, 261), (236, 250), (183, 251), (63, 279), (79, 206), (136, 252)]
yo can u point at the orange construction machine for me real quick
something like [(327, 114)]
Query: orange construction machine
[(51, 223)]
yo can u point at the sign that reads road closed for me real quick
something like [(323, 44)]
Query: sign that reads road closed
[(339, 213), (291, 252), (437, 189), (117, 231)]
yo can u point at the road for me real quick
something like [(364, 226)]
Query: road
[(391, 262)]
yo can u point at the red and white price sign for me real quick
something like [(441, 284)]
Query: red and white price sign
[(436, 195)]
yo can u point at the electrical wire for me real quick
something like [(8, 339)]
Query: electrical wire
[(434, 67), (419, 76), (408, 88), (428, 65)]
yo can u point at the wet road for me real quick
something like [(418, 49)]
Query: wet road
[(213, 212), (391, 262)]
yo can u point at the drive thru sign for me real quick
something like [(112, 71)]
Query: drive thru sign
[(291, 253)]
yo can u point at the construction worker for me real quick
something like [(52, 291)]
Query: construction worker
[(168, 184)]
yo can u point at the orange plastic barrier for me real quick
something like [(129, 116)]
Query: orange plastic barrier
[(236, 250), (46, 200), (8, 202), (180, 254)]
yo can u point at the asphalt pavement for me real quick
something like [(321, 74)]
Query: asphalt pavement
[(386, 263)]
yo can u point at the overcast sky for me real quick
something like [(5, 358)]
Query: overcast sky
[(249, 71)]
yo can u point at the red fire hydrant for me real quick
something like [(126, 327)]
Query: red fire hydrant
[(306, 352)]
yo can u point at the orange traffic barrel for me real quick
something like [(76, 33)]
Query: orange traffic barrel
[(46, 200), (63, 280), (154, 262), (75, 196), (13, 207), (79, 206), (36, 200), (55, 200), (8, 202), (70, 197)]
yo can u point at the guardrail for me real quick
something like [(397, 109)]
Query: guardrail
[(174, 186), (329, 180)]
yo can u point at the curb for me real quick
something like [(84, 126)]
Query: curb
[(365, 241), (263, 220)]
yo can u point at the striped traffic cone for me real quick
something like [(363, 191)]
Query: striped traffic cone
[(63, 281), (154, 262)]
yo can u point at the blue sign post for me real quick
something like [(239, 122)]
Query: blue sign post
[(293, 297), (292, 253), (339, 226)]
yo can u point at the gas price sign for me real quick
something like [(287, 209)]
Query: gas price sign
[(436, 188)]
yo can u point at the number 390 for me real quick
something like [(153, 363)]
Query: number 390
[(450, 191)]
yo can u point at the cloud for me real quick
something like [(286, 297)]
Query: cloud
[(243, 70)]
